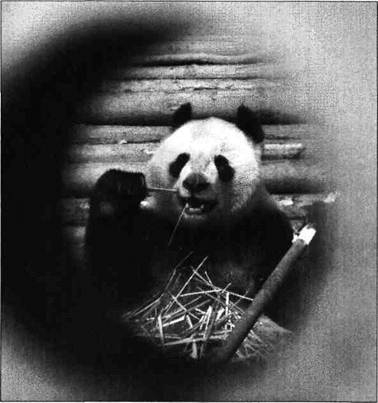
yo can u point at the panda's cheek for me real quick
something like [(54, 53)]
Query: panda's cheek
[(178, 185)]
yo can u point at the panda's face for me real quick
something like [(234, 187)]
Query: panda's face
[(213, 167)]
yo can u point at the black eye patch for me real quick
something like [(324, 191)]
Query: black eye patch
[(225, 171), (176, 166)]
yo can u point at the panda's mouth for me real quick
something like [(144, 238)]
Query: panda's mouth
[(196, 206)]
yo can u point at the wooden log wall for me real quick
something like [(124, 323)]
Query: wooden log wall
[(122, 124)]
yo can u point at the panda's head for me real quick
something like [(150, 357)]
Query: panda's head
[(214, 165)]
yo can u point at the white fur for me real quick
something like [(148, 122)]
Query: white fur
[(203, 140)]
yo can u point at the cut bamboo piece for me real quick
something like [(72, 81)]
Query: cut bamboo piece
[(75, 211), (143, 152), (268, 100), (263, 297), (107, 134), (280, 177)]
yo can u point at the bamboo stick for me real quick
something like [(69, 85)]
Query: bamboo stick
[(265, 294), (156, 189)]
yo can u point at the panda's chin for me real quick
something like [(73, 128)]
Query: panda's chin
[(197, 207)]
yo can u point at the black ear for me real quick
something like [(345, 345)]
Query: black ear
[(182, 115), (248, 122)]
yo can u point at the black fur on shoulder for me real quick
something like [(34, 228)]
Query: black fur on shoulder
[(248, 122), (182, 115)]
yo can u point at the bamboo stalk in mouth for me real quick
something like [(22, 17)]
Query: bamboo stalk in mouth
[(154, 189)]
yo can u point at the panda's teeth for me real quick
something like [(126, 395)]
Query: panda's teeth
[(194, 206), (196, 210)]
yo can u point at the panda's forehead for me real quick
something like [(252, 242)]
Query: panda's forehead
[(210, 135)]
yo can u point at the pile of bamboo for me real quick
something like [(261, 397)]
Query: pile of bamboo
[(192, 316)]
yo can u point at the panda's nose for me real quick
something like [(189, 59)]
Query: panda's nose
[(195, 183)]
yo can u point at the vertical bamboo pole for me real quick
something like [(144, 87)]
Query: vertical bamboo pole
[(266, 293)]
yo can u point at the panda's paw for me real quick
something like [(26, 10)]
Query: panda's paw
[(117, 191)]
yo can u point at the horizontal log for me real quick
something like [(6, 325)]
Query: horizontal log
[(197, 58), (142, 152), (226, 47), (226, 44), (280, 176), (266, 100), (193, 71), (176, 85), (107, 134), (76, 211)]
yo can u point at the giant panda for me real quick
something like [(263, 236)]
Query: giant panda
[(219, 210)]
